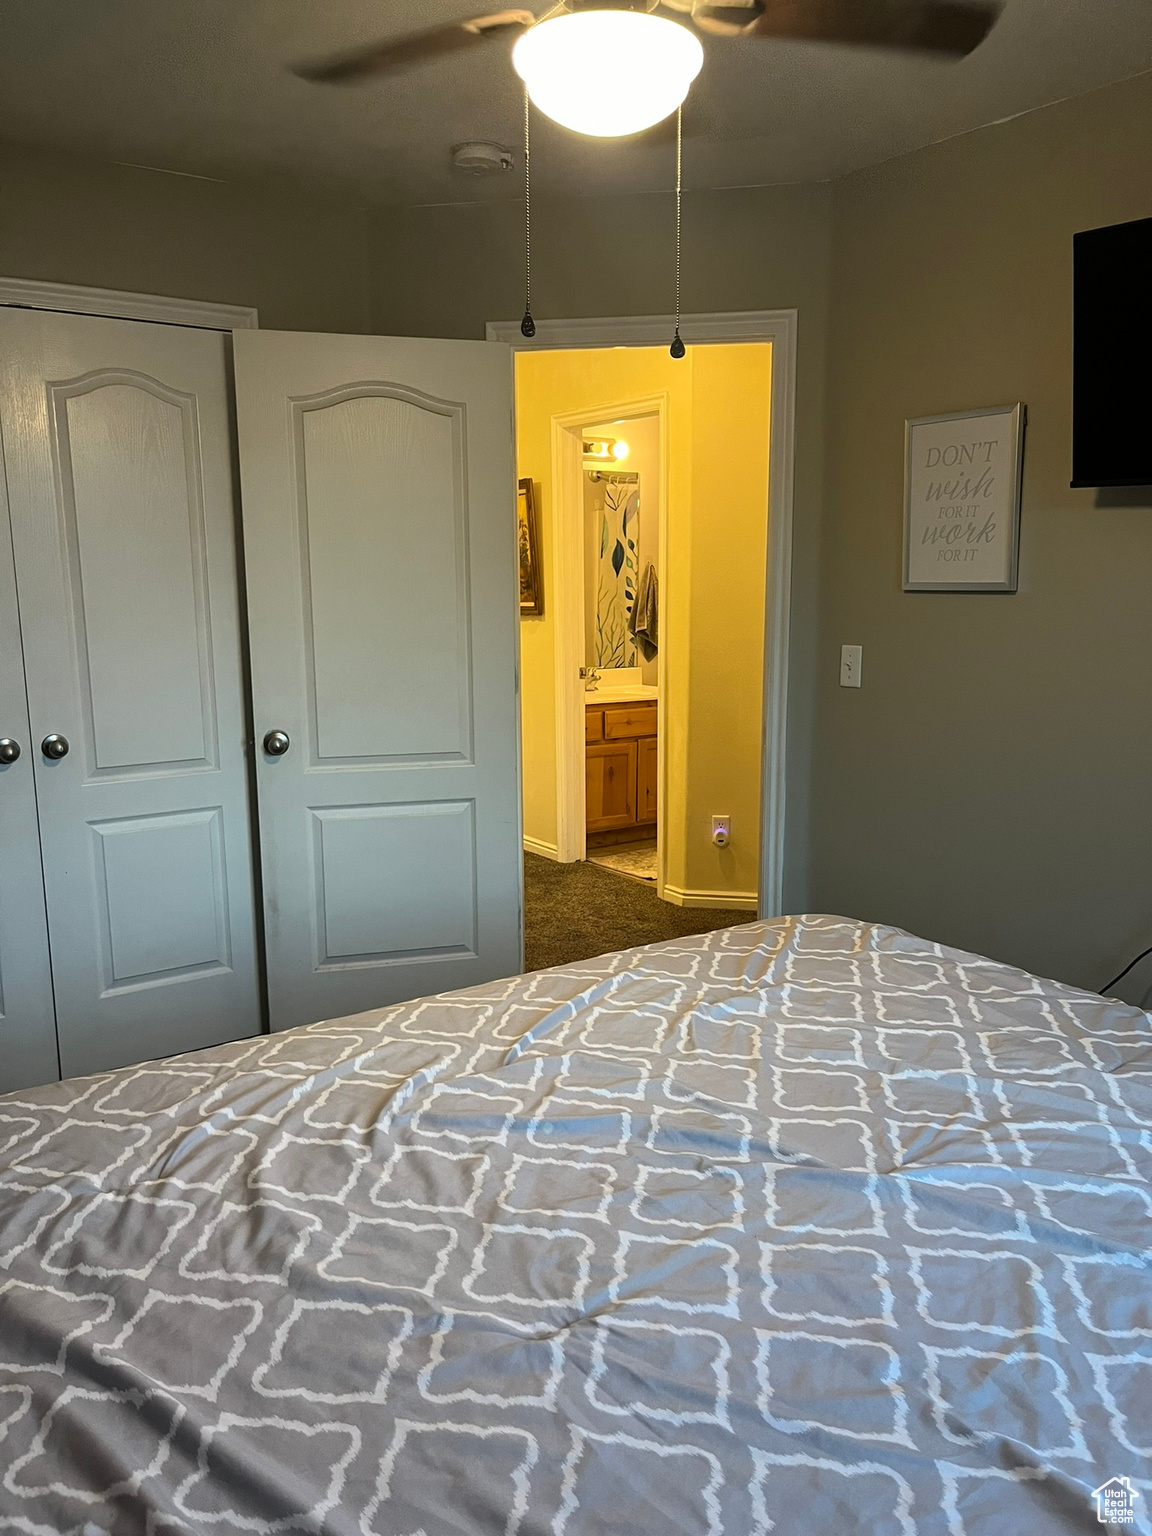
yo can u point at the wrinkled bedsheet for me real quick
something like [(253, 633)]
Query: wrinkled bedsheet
[(807, 1226)]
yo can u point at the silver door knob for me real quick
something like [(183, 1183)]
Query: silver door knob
[(54, 746), (9, 749), (276, 743)]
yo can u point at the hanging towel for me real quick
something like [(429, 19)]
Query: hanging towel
[(643, 620)]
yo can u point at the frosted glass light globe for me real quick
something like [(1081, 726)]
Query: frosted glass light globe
[(607, 73)]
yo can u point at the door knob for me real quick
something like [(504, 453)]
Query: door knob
[(54, 746), (276, 743), (9, 749)]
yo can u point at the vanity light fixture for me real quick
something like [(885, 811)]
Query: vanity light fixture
[(604, 449)]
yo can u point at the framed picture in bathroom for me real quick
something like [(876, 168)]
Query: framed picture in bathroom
[(528, 546)]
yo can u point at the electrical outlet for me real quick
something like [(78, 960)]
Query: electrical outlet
[(721, 830), (851, 661)]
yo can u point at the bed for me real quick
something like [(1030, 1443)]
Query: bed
[(804, 1226)]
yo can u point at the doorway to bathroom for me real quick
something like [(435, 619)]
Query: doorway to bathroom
[(642, 641), (622, 511), (622, 516)]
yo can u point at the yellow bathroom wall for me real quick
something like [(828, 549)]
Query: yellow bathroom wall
[(711, 602)]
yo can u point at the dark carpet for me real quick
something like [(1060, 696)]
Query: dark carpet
[(578, 911)]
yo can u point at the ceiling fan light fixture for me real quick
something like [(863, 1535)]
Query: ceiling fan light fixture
[(607, 73)]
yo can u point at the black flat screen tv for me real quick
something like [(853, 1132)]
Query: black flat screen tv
[(1112, 356)]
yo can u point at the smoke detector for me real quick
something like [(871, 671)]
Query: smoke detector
[(480, 159)]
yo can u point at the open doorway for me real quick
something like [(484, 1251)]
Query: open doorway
[(622, 517), (642, 731)]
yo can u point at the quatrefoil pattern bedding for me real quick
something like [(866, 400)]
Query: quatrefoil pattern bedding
[(805, 1226)]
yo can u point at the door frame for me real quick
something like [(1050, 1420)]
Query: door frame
[(119, 304), (571, 698), (778, 326)]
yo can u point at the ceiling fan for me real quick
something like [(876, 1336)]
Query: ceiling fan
[(595, 64)]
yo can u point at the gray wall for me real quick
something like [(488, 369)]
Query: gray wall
[(990, 785), (445, 270), (301, 258)]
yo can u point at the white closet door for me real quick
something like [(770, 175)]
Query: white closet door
[(379, 528), (27, 1017), (119, 468)]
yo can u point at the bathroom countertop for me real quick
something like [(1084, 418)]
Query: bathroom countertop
[(636, 694)]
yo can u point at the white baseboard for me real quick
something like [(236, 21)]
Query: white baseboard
[(740, 901), (545, 850)]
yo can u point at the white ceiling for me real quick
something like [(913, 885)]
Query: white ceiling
[(202, 86)]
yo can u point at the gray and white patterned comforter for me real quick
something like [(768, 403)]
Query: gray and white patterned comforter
[(808, 1226)]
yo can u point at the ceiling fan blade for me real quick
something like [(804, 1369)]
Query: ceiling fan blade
[(416, 48), (953, 27)]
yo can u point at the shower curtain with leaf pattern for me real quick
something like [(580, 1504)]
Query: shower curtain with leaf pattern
[(617, 572)]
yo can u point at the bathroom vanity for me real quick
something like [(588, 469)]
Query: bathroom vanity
[(620, 745)]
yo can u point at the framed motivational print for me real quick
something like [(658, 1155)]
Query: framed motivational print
[(962, 481)]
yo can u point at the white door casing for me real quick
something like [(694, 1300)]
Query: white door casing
[(379, 498), (780, 328), (119, 473), (567, 469), (119, 304)]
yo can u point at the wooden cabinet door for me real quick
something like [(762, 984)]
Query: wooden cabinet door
[(646, 780), (611, 778)]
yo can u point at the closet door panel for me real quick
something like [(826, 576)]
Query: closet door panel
[(120, 472), (375, 582), (27, 1017), (134, 528), (379, 531)]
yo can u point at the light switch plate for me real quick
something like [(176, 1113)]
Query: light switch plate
[(851, 661)]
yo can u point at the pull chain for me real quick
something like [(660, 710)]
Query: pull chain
[(527, 325), (677, 349)]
